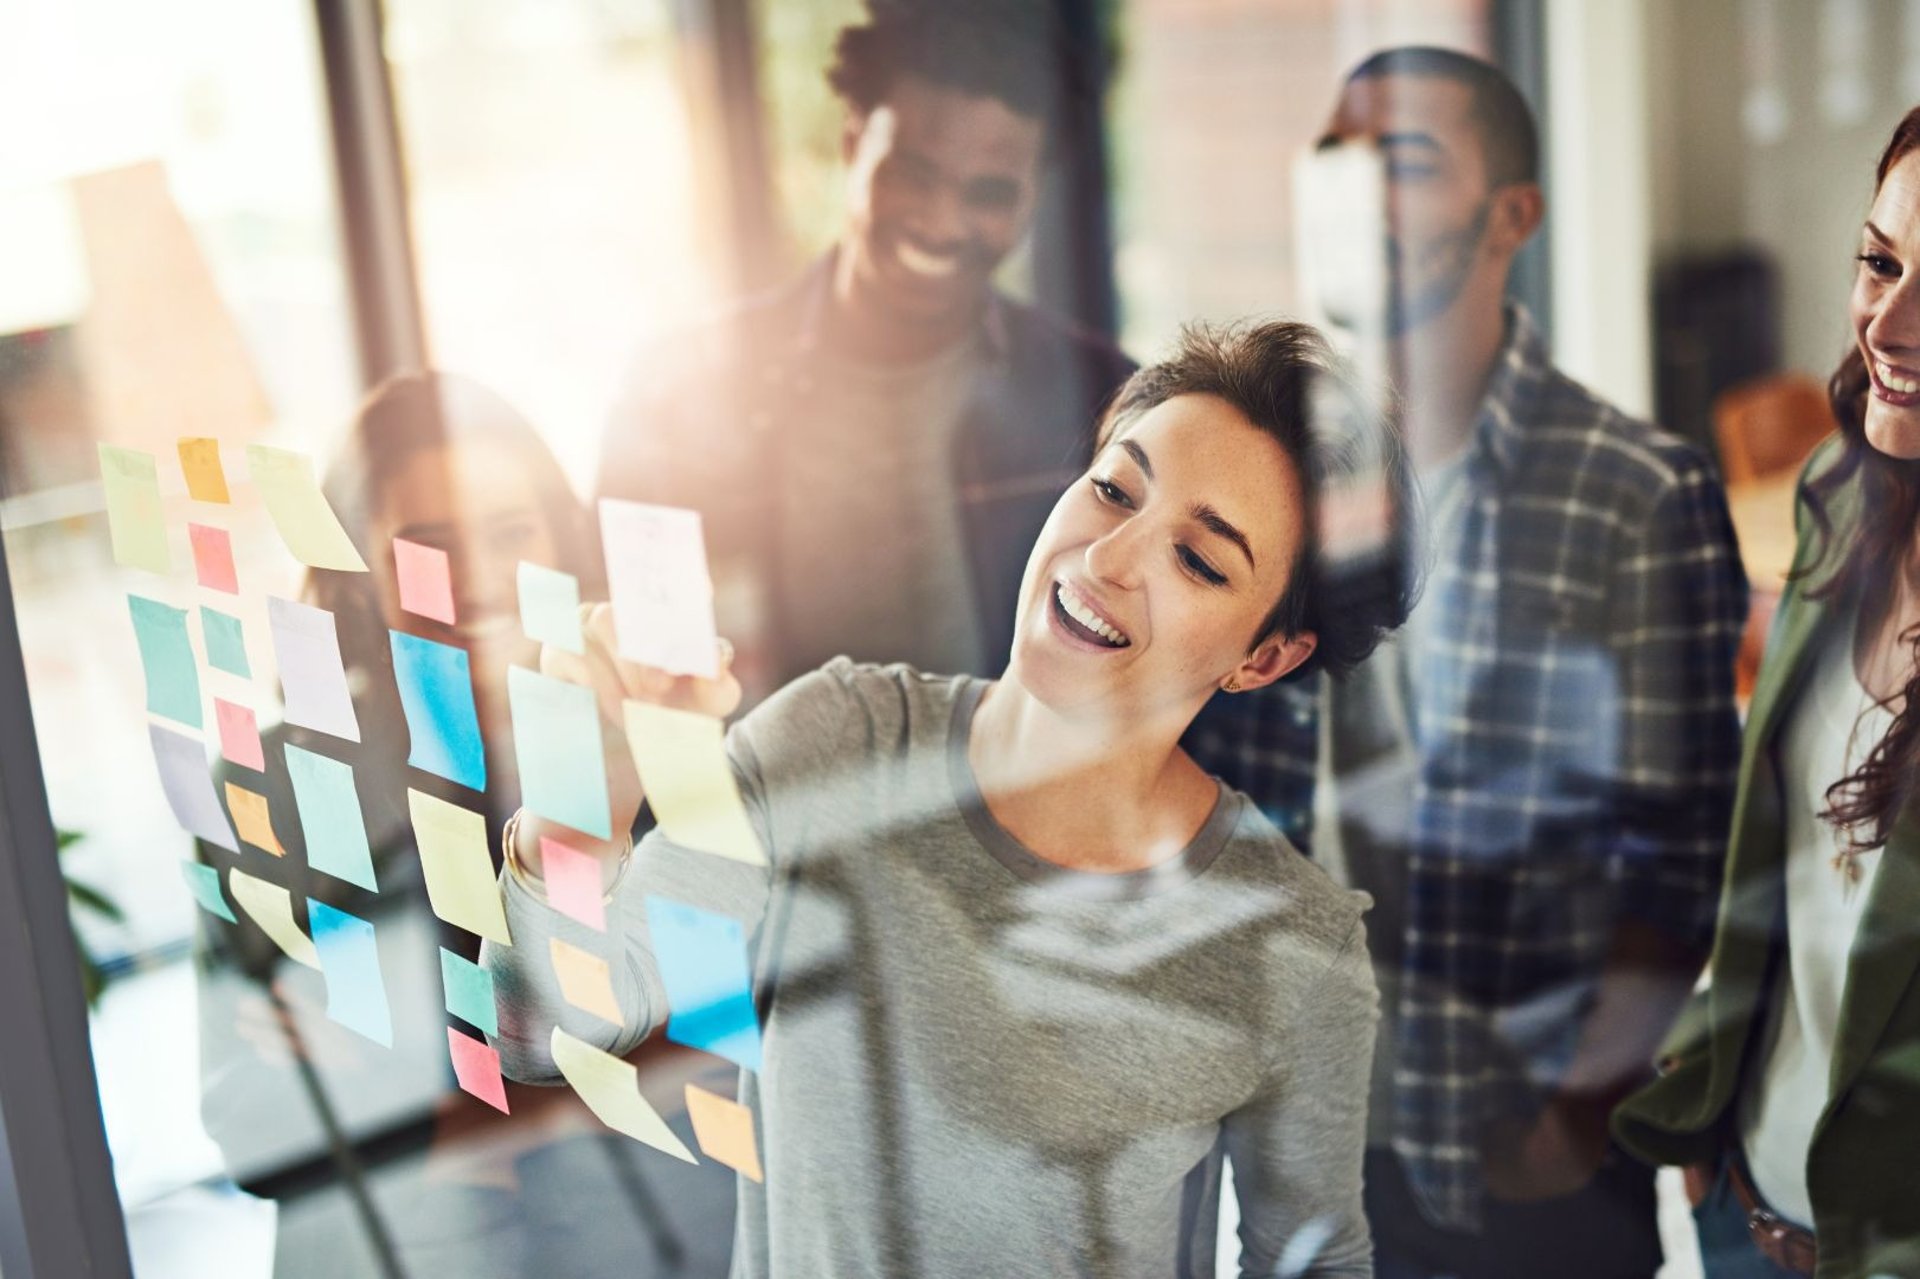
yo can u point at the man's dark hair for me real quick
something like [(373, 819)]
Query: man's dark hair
[(1508, 134), (1286, 381), (1009, 50)]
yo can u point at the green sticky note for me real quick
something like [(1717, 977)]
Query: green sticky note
[(131, 483), (204, 881), (173, 676), (550, 607), (469, 992), (330, 819), (556, 738), (226, 642)]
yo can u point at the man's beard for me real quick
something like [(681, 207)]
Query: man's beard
[(1451, 260)]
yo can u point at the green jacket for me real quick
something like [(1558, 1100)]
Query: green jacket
[(1863, 1169)]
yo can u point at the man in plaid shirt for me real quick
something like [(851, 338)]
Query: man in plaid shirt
[(1535, 778)]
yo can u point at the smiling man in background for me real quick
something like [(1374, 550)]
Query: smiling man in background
[(874, 447)]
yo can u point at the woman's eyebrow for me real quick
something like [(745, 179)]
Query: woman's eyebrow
[(1139, 455), (1878, 234), (1219, 524)]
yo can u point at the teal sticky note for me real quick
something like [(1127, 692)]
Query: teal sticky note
[(226, 642), (550, 607), (336, 834), (469, 992), (173, 676), (556, 738), (350, 961), (436, 692), (703, 964), (204, 881)]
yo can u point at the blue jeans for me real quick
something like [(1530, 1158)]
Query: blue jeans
[(1727, 1251)]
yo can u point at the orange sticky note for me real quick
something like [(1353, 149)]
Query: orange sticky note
[(251, 819), (585, 980), (200, 459), (724, 1130), (239, 734), (425, 578), (477, 1067), (213, 558)]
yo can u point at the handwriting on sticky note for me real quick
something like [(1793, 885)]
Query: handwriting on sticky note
[(350, 961), (459, 872), (436, 692), (556, 739), (469, 991), (188, 784), (682, 760), (330, 819), (226, 642), (703, 964), (252, 818), (204, 882), (550, 607), (585, 980), (661, 594), (611, 1089), (477, 1068), (206, 478), (724, 1129), (239, 734), (166, 656), (131, 483), (213, 558), (299, 509), (425, 578), (313, 681), (271, 907), (573, 883)]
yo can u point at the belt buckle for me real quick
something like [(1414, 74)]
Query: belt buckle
[(1769, 1231)]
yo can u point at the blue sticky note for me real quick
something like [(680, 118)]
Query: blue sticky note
[(350, 961), (550, 607), (436, 691), (173, 676), (204, 881), (226, 642), (556, 738), (703, 964), (469, 992), (330, 819)]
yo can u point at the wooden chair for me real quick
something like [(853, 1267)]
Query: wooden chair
[(1769, 425)]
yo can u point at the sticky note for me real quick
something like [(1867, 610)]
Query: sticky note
[(166, 654), (724, 1129), (585, 980), (350, 961), (573, 883), (469, 991), (550, 607), (703, 964), (661, 593), (206, 478), (425, 579), (271, 907), (188, 783), (204, 882), (239, 734), (312, 679), (436, 692), (252, 818), (682, 762), (477, 1068), (330, 818), (611, 1089), (299, 509), (131, 483), (459, 871), (556, 738), (213, 558), (226, 642)]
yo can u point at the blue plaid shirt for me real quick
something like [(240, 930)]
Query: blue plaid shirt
[(1576, 750)]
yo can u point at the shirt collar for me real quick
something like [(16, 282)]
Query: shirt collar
[(1519, 374), (816, 294)]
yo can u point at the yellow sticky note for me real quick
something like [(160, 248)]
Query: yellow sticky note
[(459, 871), (585, 980), (252, 820), (689, 783), (724, 1130), (206, 478), (611, 1089), (271, 907), (131, 483), (299, 509)]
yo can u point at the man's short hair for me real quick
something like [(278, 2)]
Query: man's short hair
[(1010, 50), (1508, 135)]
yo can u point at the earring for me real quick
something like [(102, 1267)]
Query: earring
[(1232, 685)]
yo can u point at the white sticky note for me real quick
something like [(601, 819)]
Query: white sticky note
[(683, 765), (611, 1089), (311, 675), (661, 593), (300, 511), (271, 907)]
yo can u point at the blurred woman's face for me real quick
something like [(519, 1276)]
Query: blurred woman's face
[(1156, 569), (1886, 311)]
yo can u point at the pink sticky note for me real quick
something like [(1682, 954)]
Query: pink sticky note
[(573, 883), (213, 558), (239, 735), (426, 582), (477, 1066)]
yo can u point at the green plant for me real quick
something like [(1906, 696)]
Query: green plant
[(84, 898)]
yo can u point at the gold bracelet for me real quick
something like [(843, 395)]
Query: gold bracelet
[(537, 885)]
